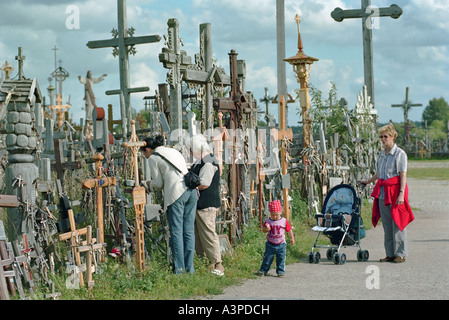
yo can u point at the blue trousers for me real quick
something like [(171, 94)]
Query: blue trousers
[(181, 220), (272, 250)]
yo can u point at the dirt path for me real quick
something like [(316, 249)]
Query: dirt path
[(424, 275)]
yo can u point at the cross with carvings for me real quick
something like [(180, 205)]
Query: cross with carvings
[(139, 196), (98, 183), (176, 60), (60, 110), (236, 105), (366, 13), (123, 43), (7, 69), (205, 73), (20, 58), (406, 105)]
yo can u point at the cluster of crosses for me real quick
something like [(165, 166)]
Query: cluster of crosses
[(38, 205)]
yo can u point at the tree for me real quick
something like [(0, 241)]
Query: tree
[(438, 109)]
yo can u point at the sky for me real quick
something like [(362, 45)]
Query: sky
[(412, 51)]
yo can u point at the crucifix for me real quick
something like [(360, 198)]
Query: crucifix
[(204, 72), (90, 247), (73, 236), (406, 105), (174, 59), (60, 74), (366, 13), (98, 183), (123, 43), (60, 110), (7, 69), (20, 58), (139, 196), (235, 104)]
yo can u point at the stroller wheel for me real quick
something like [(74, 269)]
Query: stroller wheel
[(310, 257), (362, 255), (316, 257), (339, 258), (365, 255), (330, 253)]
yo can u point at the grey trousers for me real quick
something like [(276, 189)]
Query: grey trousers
[(395, 240)]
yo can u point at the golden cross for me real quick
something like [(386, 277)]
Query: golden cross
[(59, 110)]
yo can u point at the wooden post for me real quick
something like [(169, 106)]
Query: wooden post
[(98, 183), (139, 198), (284, 135)]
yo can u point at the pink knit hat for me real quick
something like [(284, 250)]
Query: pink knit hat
[(275, 206)]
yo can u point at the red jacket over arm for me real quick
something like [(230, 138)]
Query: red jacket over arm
[(401, 214)]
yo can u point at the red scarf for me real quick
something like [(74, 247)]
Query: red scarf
[(401, 214)]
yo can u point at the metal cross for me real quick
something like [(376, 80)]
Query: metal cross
[(406, 106), (366, 13), (125, 42)]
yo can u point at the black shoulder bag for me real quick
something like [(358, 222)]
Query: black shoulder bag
[(192, 180)]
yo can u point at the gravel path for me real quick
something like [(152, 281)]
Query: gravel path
[(424, 275)]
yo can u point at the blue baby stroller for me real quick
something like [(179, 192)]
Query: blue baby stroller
[(341, 222)]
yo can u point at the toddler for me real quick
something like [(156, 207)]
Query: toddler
[(275, 227)]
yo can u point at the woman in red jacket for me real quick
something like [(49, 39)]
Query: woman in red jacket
[(391, 196)]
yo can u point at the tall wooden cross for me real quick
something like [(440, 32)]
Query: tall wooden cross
[(139, 196), (123, 43), (174, 59), (284, 135), (406, 105), (366, 13), (236, 104), (98, 183)]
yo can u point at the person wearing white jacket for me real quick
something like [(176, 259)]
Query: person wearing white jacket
[(179, 200)]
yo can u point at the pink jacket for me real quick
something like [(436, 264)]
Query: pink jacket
[(401, 214)]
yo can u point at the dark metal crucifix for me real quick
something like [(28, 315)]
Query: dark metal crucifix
[(236, 104), (123, 43), (406, 106), (366, 13)]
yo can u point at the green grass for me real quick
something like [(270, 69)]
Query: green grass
[(118, 281), (428, 173)]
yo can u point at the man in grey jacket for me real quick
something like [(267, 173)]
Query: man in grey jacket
[(179, 200)]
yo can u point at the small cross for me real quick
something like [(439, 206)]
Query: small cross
[(20, 58), (7, 68)]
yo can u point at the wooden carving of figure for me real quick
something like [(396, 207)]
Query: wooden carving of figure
[(89, 97)]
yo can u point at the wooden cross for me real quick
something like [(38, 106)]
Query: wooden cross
[(139, 196), (236, 104), (406, 105), (7, 68), (284, 135), (366, 13), (60, 110), (90, 247), (124, 43), (20, 58), (98, 183), (73, 236)]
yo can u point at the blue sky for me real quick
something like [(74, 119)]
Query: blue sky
[(411, 51)]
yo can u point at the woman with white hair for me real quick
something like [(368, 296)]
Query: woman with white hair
[(206, 239)]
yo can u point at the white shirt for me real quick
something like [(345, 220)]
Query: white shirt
[(164, 176)]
